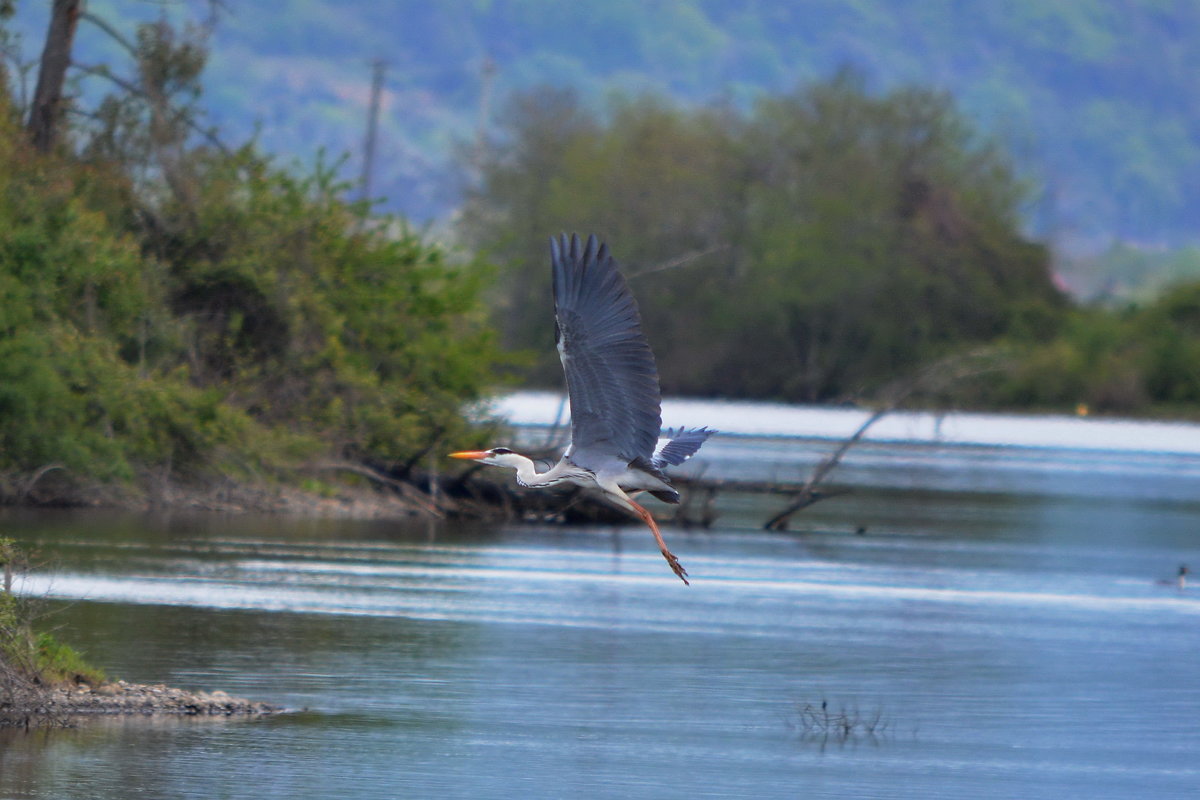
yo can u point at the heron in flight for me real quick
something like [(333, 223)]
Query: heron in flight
[(612, 385)]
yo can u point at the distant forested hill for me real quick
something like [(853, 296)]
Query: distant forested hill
[(1098, 99)]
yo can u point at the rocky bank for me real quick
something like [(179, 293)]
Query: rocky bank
[(32, 706)]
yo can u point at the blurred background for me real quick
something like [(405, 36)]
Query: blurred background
[(815, 202)]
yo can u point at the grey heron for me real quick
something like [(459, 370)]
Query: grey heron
[(612, 385)]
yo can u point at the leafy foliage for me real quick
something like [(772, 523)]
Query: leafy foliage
[(177, 309), (1126, 361), (312, 317), (825, 243), (74, 295)]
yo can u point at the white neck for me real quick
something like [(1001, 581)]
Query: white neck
[(527, 474)]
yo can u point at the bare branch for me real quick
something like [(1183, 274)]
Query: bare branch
[(809, 493), (112, 32), (407, 490), (103, 71), (679, 261), (35, 477), (932, 378), (19, 71)]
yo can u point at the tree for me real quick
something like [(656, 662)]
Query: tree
[(817, 247), (882, 237), (45, 115), (174, 309), (300, 315)]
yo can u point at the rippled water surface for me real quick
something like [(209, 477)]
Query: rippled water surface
[(1003, 645)]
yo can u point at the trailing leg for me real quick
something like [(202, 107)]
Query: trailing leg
[(676, 567)]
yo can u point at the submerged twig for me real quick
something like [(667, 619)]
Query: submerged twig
[(822, 724)]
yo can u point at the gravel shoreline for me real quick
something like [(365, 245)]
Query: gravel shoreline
[(59, 705)]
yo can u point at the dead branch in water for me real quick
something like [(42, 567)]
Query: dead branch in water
[(933, 378), (809, 492)]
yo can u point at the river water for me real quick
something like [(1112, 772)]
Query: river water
[(987, 621)]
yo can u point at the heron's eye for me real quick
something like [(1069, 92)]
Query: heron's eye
[(499, 451)]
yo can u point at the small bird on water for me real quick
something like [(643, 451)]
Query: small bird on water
[(612, 385), (1180, 579)]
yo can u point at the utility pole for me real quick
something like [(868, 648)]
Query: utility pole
[(487, 75), (56, 57), (377, 69)]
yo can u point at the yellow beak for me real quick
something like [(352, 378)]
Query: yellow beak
[(470, 454)]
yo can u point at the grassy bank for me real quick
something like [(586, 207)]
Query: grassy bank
[(44, 681), (32, 661)]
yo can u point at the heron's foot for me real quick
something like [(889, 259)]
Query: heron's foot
[(648, 518), (676, 567)]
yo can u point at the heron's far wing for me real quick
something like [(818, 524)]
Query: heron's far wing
[(678, 446), (611, 378)]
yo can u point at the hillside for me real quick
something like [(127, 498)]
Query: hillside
[(1096, 98)]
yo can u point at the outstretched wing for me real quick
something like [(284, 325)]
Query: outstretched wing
[(611, 378), (678, 446)]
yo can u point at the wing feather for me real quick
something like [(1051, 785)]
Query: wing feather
[(612, 381), (678, 446)]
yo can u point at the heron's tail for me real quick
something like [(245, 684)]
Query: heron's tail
[(677, 447)]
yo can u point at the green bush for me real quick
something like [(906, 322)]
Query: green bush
[(307, 314), (242, 325), (1132, 360), (61, 663)]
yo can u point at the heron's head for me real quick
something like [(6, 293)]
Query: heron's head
[(497, 456)]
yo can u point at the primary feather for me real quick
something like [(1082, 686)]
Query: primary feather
[(612, 381)]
